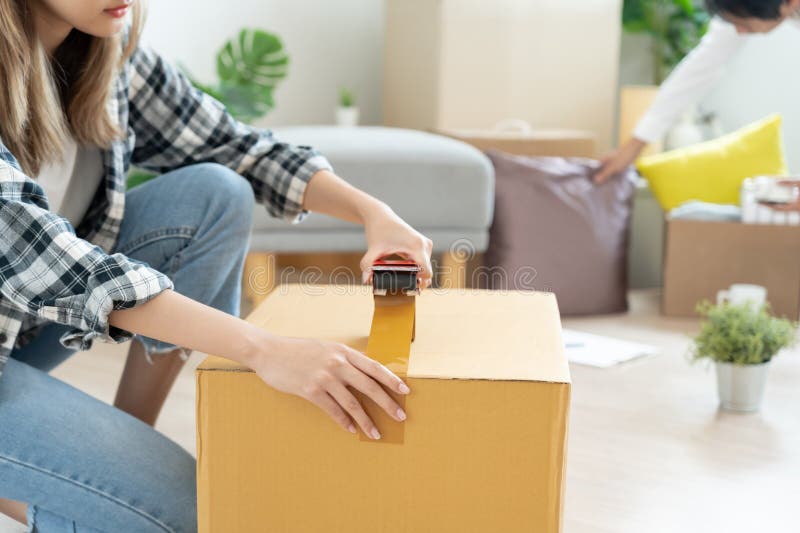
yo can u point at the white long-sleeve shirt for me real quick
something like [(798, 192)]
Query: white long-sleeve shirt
[(693, 78)]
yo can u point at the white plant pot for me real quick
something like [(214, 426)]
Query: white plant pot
[(686, 133), (741, 387), (347, 117)]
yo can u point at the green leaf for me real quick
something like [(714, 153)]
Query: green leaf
[(249, 67), (675, 26), (632, 10), (254, 57), (137, 176), (346, 98), (743, 335), (686, 5), (246, 102)]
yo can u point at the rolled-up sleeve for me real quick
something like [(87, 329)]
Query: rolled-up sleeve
[(47, 271), (691, 80), (175, 125)]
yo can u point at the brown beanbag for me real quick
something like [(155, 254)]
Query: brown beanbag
[(554, 230)]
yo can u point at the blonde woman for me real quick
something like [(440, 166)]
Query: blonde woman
[(82, 259)]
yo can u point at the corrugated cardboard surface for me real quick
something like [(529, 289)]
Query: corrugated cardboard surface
[(561, 143), (702, 258), (483, 446), (472, 63)]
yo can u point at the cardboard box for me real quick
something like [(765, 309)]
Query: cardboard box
[(483, 448), (473, 63), (702, 258), (634, 102), (562, 143)]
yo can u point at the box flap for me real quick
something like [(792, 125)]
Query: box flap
[(461, 334)]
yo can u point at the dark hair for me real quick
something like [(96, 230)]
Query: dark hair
[(760, 9)]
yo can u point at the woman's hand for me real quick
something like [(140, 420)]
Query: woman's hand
[(389, 234), (618, 160), (323, 373)]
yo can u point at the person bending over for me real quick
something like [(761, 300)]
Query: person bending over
[(700, 70)]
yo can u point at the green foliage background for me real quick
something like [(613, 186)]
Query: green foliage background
[(346, 97), (744, 335), (676, 26)]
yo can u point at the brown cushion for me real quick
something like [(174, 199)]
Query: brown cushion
[(554, 230)]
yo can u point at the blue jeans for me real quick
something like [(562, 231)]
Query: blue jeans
[(81, 465)]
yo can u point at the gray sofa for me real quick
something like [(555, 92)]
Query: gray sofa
[(442, 187)]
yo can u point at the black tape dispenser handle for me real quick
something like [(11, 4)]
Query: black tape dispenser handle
[(395, 276)]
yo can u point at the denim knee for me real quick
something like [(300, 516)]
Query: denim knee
[(229, 196), (217, 205)]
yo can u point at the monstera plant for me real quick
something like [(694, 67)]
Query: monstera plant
[(249, 67), (675, 26)]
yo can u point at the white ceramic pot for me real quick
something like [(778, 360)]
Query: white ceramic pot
[(347, 116), (685, 133), (741, 387)]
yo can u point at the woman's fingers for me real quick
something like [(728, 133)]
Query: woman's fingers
[(325, 402), (604, 170), (366, 265), (421, 256), (369, 387), (423, 259), (366, 376), (604, 173), (353, 407), (376, 371)]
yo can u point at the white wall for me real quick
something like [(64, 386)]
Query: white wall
[(762, 79), (330, 43)]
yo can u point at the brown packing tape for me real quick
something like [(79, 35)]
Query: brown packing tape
[(389, 343)]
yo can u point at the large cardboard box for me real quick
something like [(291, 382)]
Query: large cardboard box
[(561, 143), (702, 258), (473, 63), (483, 448)]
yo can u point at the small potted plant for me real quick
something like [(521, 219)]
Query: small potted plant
[(347, 112), (741, 340)]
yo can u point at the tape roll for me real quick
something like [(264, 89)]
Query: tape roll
[(389, 343)]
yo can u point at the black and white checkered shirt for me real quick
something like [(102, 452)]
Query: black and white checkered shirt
[(52, 272)]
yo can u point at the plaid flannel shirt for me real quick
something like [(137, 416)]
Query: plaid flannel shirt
[(52, 272)]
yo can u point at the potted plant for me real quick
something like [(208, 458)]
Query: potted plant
[(741, 340), (249, 66), (347, 112)]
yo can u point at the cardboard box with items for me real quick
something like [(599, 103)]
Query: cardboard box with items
[(483, 448), (703, 258)]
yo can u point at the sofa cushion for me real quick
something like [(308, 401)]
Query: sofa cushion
[(554, 230), (429, 180)]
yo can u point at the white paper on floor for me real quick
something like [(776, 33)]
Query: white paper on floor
[(597, 350)]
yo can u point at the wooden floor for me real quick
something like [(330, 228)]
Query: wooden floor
[(649, 452)]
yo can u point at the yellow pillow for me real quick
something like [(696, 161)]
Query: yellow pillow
[(713, 171)]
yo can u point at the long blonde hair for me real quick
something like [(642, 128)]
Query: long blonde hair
[(43, 99)]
